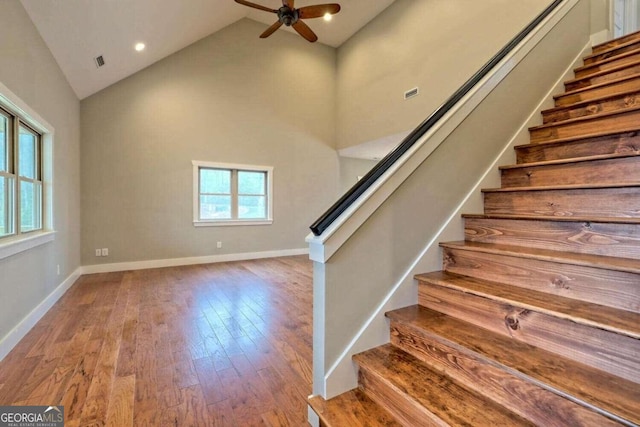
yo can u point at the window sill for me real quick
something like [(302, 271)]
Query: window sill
[(14, 245), (228, 223)]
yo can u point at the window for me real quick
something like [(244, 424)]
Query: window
[(231, 194), (26, 187), (20, 177)]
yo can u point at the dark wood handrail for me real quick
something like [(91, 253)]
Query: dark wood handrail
[(327, 218)]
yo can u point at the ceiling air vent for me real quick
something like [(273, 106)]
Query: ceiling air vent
[(411, 93), (99, 61)]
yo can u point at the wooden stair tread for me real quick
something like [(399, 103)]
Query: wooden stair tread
[(606, 220), (440, 395), (590, 117), (603, 72), (353, 408), (579, 104), (611, 49), (604, 134), (587, 260), (569, 160), (585, 313), (561, 187), (602, 46), (578, 382), (606, 60), (595, 86)]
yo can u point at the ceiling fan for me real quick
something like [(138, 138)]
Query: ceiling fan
[(290, 16)]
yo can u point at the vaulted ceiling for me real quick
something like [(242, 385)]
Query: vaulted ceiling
[(77, 31)]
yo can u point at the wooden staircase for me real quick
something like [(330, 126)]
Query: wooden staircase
[(535, 318)]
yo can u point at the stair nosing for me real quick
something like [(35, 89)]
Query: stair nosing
[(560, 141), (586, 118), (580, 104), (606, 60), (584, 260), (599, 157), (511, 368), (536, 307), (597, 220), (603, 72), (595, 86), (611, 49), (562, 187), (632, 34)]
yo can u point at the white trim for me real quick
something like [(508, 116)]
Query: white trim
[(322, 247), (600, 37), (232, 222), (341, 375), (14, 245), (197, 222), (16, 334), (173, 262)]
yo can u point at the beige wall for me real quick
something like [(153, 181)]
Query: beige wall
[(351, 168), (435, 45), (600, 19), (28, 69), (230, 97)]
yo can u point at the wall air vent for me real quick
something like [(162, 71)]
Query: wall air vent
[(411, 93), (99, 61)]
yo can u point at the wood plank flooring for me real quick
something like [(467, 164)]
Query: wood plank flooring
[(225, 344)]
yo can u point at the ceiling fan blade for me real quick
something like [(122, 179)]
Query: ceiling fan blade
[(272, 29), (304, 30), (256, 6), (288, 3), (318, 10)]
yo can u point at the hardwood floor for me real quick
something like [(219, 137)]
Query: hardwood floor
[(224, 344)]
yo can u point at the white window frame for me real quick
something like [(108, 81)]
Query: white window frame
[(15, 244), (197, 165)]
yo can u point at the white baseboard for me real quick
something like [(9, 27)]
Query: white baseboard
[(600, 37), (173, 262), (16, 334)]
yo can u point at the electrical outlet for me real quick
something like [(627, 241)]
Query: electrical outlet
[(98, 252), (105, 251), (219, 245)]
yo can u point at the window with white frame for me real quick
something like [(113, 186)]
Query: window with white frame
[(229, 194), (20, 177)]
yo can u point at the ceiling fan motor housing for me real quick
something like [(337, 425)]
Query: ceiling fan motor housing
[(288, 16)]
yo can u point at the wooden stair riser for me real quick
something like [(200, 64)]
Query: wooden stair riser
[(623, 202), (580, 282), (595, 92), (417, 395), (604, 105), (621, 143), (363, 412), (499, 383), (607, 239), (631, 37), (613, 122), (608, 351), (611, 63), (604, 76), (602, 171), (612, 52)]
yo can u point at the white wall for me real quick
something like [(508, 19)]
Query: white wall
[(230, 97), (351, 168), (28, 69)]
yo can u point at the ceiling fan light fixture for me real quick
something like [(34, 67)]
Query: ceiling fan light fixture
[(139, 47), (327, 17)]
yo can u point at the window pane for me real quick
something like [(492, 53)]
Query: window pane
[(27, 153), (215, 207), (252, 207), (30, 200), (6, 206), (215, 181), (251, 182), (4, 135)]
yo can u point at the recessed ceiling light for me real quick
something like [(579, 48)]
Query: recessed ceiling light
[(327, 16), (139, 47)]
